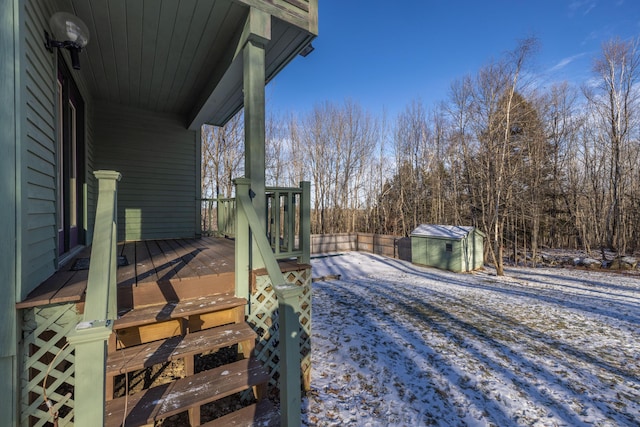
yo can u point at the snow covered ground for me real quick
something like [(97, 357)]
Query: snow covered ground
[(399, 345)]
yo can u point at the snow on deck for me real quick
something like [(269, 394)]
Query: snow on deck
[(400, 345)]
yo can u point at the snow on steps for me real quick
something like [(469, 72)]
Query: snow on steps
[(177, 309), (172, 398), (261, 414), (163, 331), (146, 355)]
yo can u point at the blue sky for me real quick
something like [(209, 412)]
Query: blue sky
[(384, 54)]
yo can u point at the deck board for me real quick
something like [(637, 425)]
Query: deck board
[(178, 256), (77, 284), (45, 293), (193, 267), (148, 262), (126, 274), (152, 261), (67, 285), (145, 270), (163, 264), (219, 257)]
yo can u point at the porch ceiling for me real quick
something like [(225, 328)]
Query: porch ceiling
[(173, 56)]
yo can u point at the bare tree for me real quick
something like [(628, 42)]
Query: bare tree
[(276, 150), (563, 123), (494, 99), (222, 156), (529, 167), (411, 139), (459, 109), (615, 101)]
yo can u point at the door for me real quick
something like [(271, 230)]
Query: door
[(71, 161)]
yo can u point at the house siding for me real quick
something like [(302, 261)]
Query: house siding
[(38, 163), (38, 156), (9, 78), (158, 159)]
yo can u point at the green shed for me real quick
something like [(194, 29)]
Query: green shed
[(448, 247)]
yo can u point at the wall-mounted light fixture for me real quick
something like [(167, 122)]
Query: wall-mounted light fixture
[(72, 33)]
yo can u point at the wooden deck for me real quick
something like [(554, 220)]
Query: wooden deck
[(155, 261)]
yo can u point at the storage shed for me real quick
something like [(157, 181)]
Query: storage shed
[(449, 247)]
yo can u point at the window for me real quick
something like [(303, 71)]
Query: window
[(448, 247)]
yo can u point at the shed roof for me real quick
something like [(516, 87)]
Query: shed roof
[(442, 231)]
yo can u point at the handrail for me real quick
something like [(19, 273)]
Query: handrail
[(100, 310), (288, 296)]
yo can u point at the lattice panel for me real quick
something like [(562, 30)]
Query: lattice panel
[(44, 336), (264, 320)]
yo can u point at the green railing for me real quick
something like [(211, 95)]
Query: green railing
[(288, 220), (250, 232), (89, 338), (218, 217)]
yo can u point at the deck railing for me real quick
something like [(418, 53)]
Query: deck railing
[(288, 220), (218, 217), (90, 336), (250, 231)]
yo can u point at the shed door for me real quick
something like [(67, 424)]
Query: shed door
[(70, 171)]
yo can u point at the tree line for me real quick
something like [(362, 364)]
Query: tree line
[(530, 165)]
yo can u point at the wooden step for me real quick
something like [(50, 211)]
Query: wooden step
[(146, 355), (176, 310), (172, 398), (150, 292), (262, 414), (156, 322)]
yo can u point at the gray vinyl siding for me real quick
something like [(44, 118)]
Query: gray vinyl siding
[(38, 154), (158, 159)]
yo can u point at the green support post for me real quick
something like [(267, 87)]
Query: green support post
[(258, 33), (243, 241), (305, 223), (289, 347), (90, 342)]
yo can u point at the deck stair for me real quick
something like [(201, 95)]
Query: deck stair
[(165, 322)]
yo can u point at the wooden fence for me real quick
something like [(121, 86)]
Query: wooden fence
[(389, 246)]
